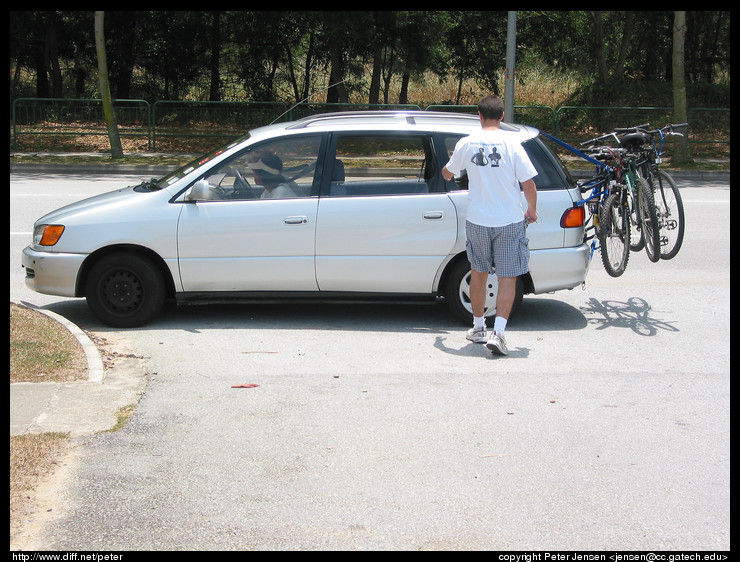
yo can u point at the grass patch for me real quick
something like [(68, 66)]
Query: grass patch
[(33, 457), (42, 350), (122, 416)]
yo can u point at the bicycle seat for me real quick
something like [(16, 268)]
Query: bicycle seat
[(634, 139)]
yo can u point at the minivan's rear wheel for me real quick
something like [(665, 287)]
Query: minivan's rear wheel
[(125, 290), (457, 293)]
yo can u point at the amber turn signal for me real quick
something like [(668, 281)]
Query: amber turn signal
[(48, 234)]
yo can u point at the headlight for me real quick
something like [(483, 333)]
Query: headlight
[(47, 234)]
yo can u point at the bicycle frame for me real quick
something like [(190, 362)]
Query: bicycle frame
[(598, 187)]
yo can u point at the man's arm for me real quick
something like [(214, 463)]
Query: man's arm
[(530, 194)]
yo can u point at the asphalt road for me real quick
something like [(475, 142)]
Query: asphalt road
[(381, 427)]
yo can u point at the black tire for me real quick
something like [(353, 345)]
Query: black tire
[(457, 293), (671, 216), (614, 234), (637, 241), (125, 290), (648, 220)]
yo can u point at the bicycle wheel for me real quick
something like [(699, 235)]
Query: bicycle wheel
[(670, 215), (637, 241), (648, 220), (614, 234)]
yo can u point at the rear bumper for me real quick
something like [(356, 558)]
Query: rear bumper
[(559, 268), (52, 273)]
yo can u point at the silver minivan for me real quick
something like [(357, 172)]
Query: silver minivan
[(333, 206)]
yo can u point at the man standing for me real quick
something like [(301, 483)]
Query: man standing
[(496, 164)]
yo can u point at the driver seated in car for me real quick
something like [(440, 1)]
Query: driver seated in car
[(268, 172)]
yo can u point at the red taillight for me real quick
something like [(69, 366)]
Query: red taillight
[(573, 217)]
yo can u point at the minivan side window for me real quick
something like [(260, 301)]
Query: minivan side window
[(371, 165), (550, 173), (278, 169)]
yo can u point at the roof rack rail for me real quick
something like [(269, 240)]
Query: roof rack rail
[(410, 116)]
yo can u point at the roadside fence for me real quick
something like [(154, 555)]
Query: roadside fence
[(184, 126)]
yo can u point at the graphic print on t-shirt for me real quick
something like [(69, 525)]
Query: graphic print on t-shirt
[(495, 157), (480, 159)]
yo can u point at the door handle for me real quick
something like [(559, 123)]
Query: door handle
[(434, 215), (295, 220)]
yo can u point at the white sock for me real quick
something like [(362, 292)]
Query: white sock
[(479, 322), (499, 325)]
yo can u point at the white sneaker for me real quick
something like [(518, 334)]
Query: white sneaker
[(477, 335), (497, 344)]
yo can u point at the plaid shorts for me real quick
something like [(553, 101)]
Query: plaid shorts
[(504, 249)]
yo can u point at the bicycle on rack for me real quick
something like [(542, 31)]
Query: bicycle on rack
[(608, 206), (647, 145), (643, 212)]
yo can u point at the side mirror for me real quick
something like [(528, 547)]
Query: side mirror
[(200, 191)]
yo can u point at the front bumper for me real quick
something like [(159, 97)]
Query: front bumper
[(52, 273)]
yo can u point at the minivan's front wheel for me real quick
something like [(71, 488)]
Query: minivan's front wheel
[(457, 293), (125, 290)]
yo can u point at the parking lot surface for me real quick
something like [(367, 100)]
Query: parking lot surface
[(367, 427)]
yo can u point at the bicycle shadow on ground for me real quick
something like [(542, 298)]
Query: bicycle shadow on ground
[(633, 314)]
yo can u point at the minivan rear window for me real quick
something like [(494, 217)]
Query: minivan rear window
[(551, 174)]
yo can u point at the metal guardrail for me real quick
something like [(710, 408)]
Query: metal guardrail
[(164, 121), (82, 117)]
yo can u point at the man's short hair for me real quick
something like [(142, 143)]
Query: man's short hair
[(491, 107)]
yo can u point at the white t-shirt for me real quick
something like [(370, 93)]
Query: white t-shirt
[(282, 191), (496, 162)]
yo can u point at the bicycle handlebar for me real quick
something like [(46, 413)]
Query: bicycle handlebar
[(669, 129), (599, 140), (637, 128)]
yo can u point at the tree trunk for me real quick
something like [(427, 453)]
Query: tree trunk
[(598, 49), (52, 57), (337, 92), (374, 96), (624, 46), (680, 111), (108, 111), (215, 90)]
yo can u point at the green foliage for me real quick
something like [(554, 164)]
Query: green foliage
[(360, 56), (652, 93)]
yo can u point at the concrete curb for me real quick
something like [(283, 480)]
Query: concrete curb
[(125, 169)]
